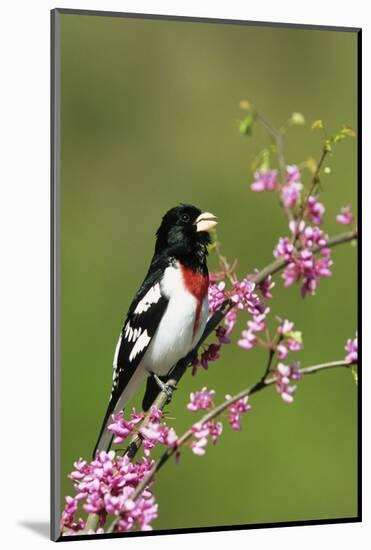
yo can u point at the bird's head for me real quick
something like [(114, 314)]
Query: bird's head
[(184, 231)]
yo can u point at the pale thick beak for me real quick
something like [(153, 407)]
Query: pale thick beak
[(205, 221)]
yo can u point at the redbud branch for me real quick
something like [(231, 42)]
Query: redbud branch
[(315, 182), (214, 413), (278, 137), (182, 365)]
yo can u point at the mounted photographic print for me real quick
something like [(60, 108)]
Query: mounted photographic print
[(204, 275)]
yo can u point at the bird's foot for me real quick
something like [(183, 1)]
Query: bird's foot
[(167, 388)]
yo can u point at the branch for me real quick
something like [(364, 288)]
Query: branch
[(182, 365), (261, 385), (278, 137)]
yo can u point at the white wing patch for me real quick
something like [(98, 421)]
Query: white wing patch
[(140, 344), (152, 297)]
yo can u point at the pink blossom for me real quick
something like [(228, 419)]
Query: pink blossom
[(230, 320), (121, 427), (290, 194), (284, 248), (351, 347), (265, 180), (216, 296), (282, 352), (201, 400), (201, 432), (285, 327), (221, 334), (285, 375), (156, 432), (314, 210), (302, 264), (290, 191), (235, 410), (294, 345), (345, 217), (292, 174), (104, 486), (249, 339), (266, 286)]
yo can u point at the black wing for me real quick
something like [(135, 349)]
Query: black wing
[(143, 318)]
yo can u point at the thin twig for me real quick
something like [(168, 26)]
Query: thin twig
[(279, 139)]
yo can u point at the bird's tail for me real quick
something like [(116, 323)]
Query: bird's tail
[(105, 437)]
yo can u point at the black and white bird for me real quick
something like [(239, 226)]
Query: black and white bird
[(168, 313)]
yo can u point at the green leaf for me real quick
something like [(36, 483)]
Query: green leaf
[(316, 124), (295, 335), (247, 124), (346, 131), (327, 146), (355, 374), (262, 160)]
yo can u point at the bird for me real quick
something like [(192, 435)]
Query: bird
[(168, 314)]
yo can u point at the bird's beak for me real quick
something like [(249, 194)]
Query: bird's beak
[(205, 221)]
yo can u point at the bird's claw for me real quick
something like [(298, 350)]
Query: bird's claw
[(166, 388)]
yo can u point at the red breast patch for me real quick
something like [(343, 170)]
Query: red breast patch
[(197, 284)]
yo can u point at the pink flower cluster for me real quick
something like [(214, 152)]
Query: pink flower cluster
[(154, 432), (105, 486), (245, 297), (351, 347), (122, 428), (290, 191), (285, 375), (267, 180), (314, 210), (211, 353), (302, 264), (290, 341), (203, 400), (235, 410), (345, 217), (201, 433)]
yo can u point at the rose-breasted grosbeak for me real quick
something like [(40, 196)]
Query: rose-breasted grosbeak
[(168, 314)]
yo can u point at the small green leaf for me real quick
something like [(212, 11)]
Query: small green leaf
[(295, 335), (316, 124), (327, 170), (246, 125), (327, 146), (262, 160), (355, 374), (346, 131), (297, 119)]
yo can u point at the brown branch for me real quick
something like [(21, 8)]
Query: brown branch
[(315, 182), (223, 406), (182, 365), (215, 412)]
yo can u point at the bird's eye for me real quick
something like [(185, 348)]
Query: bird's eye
[(185, 218)]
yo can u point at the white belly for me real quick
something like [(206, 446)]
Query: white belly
[(175, 336)]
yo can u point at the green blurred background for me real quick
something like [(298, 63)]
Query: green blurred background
[(150, 114)]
